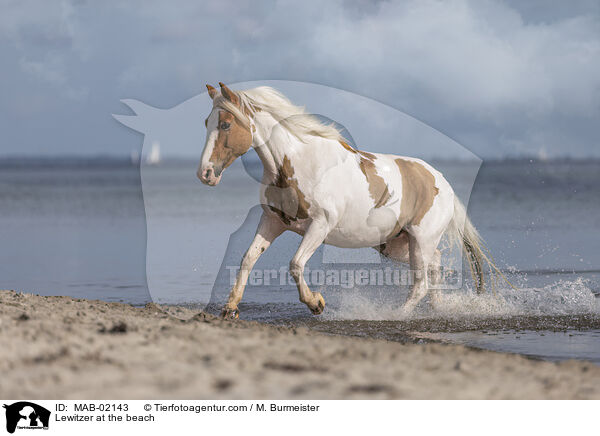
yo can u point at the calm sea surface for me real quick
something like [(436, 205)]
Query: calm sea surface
[(103, 231)]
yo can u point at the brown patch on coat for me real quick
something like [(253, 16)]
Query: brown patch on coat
[(284, 197), (367, 155), (231, 143), (418, 193), (348, 147), (378, 189)]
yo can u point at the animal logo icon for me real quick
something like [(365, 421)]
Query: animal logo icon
[(26, 415)]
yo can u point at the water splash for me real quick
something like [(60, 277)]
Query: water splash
[(561, 298)]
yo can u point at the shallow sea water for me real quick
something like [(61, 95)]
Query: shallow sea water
[(80, 230)]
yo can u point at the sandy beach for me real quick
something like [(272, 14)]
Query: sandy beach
[(60, 347)]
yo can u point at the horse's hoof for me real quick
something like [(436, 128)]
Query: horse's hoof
[(320, 305), (227, 313)]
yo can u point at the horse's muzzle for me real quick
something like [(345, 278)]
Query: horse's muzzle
[(208, 176)]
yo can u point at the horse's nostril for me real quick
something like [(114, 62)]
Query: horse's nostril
[(208, 176)]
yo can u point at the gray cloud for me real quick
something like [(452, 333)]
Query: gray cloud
[(500, 77)]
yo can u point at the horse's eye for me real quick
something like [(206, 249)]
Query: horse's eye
[(225, 125)]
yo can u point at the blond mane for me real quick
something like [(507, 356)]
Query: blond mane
[(294, 118)]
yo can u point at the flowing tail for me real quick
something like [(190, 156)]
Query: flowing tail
[(463, 233)]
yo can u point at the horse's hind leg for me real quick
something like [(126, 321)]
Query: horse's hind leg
[(406, 248), (268, 229), (435, 279), (396, 249), (421, 253)]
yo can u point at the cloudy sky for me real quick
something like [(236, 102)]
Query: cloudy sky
[(503, 78)]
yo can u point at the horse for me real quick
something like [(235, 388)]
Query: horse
[(315, 184)]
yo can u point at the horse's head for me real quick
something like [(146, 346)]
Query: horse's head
[(228, 134)]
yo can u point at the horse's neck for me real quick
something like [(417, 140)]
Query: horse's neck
[(271, 152)]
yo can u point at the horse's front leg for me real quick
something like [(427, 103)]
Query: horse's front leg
[(313, 238), (268, 229)]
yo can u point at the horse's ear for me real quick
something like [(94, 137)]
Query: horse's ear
[(229, 94), (211, 91)]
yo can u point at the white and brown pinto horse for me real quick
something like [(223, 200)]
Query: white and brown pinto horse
[(318, 186)]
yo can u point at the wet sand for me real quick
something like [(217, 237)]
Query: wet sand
[(60, 347)]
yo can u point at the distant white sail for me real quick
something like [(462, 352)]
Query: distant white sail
[(153, 157)]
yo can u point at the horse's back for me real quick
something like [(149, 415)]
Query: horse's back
[(425, 196), (393, 193)]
